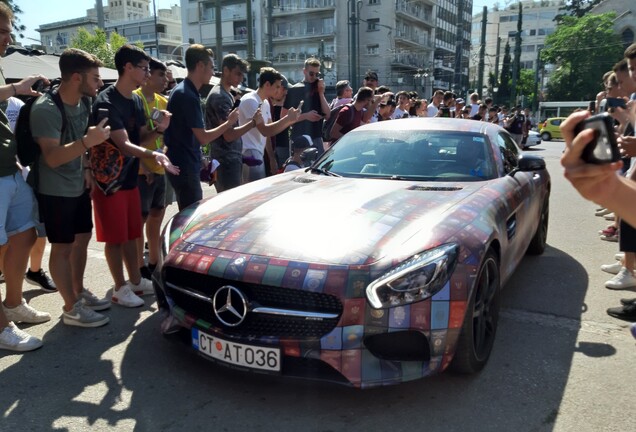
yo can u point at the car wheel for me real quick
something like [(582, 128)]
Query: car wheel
[(480, 324), (545, 136), (538, 242)]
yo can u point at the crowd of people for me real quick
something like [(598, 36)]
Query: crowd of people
[(611, 184)]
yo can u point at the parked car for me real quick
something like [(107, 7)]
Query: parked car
[(550, 128), (381, 263), (533, 139)]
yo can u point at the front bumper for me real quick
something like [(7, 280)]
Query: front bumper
[(334, 338)]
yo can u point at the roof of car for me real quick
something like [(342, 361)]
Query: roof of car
[(434, 123)]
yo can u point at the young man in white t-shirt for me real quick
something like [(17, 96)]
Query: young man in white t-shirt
[(255, 140)]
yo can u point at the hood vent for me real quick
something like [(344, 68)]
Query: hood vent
[(304, 179), (436, 188)]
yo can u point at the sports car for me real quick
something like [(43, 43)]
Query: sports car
[(381, 263)]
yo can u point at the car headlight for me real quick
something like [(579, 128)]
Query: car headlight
[(165, 239), (416, 279)]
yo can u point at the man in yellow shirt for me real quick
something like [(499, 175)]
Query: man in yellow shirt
[(152, 180)]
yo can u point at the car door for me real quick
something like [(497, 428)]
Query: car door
[(522, 212), (555, 127)]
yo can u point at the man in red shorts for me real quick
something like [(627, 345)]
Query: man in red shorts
[(118, 215)]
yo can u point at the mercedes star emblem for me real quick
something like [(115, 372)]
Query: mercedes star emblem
[(230, 306)]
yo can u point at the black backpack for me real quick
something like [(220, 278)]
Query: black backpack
[(333, 116), (28, 148)]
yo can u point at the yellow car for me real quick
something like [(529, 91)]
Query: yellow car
[(550, 128)]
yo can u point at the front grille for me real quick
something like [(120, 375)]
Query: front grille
[(255, 324)]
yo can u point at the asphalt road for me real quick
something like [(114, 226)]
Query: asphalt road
[(560, 363)]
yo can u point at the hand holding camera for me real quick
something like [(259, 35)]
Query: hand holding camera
[(161, 119)]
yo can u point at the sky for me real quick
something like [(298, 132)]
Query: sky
[(37, 12)]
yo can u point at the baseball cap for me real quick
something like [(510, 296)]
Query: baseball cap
[(301, 142), (460, 101), (283, 82)]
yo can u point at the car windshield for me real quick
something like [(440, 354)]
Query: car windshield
[(410, 155)]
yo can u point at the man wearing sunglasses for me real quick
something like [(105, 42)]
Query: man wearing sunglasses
[(315, 108)]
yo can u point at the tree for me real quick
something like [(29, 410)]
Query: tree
[(503, 95), (525, 86), (576, 8), (582, 49), (98, 45)]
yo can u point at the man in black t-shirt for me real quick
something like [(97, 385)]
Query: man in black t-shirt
[(315, 107), (118, 216), (515, 124)]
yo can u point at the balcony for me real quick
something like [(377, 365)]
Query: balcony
[(408, 60), (413, 40), (414, 13), (304, 7), (304, 33)]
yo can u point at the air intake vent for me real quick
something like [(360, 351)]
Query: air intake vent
[(304, 179), (436, 188)]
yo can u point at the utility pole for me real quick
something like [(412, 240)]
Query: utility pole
[(154, 11), (353, 46), (516, 64), (270, 35), (459, 45), (497, 57), (482, 53), (219, 31), (251, 76), (535, 100)]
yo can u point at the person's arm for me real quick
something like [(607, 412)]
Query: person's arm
[(366, 117), (205, 136), (120, 138), (277, 127), (336, 130), (55, 154), (236, 132), (22, 87), (324, 105)]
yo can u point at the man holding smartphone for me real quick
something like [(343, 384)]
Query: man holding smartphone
[(64, 182), (315, 109), (255, 140)]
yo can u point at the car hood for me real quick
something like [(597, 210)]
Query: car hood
[(327, 220)]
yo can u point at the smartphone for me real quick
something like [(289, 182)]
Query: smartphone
[(102, 113), (603, 148), (38, 86), (615, 103), (156, 115)]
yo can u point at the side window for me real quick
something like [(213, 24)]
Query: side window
[(509, 152)]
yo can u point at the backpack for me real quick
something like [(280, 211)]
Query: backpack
[(28, 150), (333, 116)]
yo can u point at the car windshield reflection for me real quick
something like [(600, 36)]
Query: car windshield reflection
[(411, 155)]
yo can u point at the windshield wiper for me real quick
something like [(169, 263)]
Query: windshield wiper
[(322, 171)]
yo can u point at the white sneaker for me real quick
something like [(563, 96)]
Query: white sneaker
[(619, 256), (610, 217), (14, 339), (623, 280), (83, 316), (26, 314), (612, 268), (92, 301), (602, 212), (143, 288), (125, 297)]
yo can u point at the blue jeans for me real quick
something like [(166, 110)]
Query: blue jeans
[(17, 206)]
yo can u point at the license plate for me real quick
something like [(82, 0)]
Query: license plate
[(250, 356)]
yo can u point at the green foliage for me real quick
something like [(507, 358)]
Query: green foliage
[(503, 95), (582, 50), (525, 85), (576, 8), (99, 45)]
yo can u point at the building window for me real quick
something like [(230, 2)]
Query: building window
[(372, 24), (374, 2), (373, 49)]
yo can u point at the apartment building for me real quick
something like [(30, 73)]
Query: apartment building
[(394, 38), (160, 34), (452, 45), (537, 24)]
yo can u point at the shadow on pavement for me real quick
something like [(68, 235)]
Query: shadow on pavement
[(163, 385)]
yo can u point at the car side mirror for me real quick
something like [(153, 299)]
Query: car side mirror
[(529, 163)]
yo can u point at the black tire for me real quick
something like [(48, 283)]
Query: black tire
[(545, 136), (477, 336), (539, 240)]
